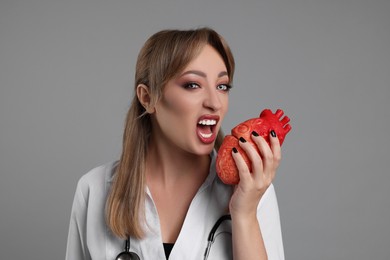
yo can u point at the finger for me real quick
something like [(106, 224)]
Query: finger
[(242, 167), (275, 147), (265, 153), (253, 155)]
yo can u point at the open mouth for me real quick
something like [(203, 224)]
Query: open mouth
[(206, 129)]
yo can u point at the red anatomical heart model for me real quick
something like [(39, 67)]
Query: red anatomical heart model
[(267, 121)]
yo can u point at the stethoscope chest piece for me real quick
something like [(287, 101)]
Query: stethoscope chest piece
[(127, 256)]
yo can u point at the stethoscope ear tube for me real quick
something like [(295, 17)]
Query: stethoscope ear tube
[(216, 225), (210, 239)]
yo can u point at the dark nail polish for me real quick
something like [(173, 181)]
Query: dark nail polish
[(235, 150), (254, 133), (273, 134), (242, 139)]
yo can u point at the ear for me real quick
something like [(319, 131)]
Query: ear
[(144, 98)]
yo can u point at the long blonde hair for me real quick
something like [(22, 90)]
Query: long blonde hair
[(162, 57)]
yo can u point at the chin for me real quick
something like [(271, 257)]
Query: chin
[(205, 150)]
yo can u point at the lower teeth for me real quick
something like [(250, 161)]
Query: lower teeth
[(206, 135)]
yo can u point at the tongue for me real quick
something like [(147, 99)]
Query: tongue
[(205, 129)]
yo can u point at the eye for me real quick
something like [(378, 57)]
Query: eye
[(224, 87), (191, 85)]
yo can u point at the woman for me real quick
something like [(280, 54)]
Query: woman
[(163, 196)]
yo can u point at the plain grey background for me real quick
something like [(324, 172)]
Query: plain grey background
[(66, 78)]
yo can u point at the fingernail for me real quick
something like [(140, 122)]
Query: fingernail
[(254, 133), (242, 139), (273, 134), (235, 150)]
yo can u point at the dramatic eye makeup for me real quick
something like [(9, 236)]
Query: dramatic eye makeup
[(224, 87), (190, 85), (194, 85), (188, 80)]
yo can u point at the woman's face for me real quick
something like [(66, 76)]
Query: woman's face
[(189, 113)]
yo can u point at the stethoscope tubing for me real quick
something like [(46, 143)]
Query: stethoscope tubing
[(127, 255)]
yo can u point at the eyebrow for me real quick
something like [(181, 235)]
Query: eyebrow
[(202, 74)]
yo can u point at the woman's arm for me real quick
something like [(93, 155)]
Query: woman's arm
[(247, 239), (247, 236)]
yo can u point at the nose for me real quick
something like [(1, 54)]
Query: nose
[(212, 100)]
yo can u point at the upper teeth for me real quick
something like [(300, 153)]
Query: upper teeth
[(207, 122)]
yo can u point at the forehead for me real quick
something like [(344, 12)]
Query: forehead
[(207, 59)]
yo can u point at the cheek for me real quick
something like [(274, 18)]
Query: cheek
[(225, 105), (174, 108)]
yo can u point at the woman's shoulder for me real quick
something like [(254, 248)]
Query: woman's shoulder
[(97, 179), (102, 172)]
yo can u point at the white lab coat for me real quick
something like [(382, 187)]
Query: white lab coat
[(90, 238)]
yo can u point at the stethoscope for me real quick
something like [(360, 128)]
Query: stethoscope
[(127, 255)]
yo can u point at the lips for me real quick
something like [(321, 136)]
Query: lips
[(206, 128)]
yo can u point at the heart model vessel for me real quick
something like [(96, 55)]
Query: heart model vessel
[(267, 121)]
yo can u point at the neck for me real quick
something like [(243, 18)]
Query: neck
[(168, 165), (173, 177)]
